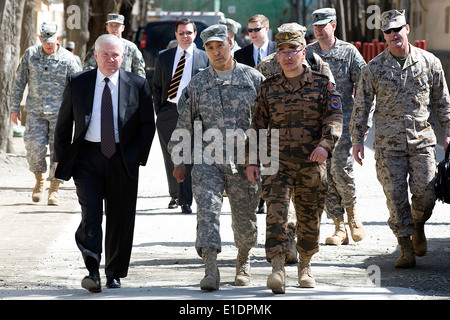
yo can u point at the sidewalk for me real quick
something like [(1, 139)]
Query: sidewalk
[(39, 258)]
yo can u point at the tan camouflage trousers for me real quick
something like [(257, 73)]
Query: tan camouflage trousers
[(208, 184), (397, 170), (306, 182)]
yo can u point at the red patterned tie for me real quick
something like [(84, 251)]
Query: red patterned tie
[(108, 142), (173, 88)]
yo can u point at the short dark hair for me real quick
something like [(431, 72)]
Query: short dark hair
[(185, 22)]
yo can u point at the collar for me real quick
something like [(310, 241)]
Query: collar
[(189, 51), (263, 47), (114, 78)]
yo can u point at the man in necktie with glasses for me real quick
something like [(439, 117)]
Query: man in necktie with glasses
[(174, 68), (307, 111), (407, 83), (261, 46)]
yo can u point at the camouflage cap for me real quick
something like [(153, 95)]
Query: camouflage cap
[(49, 32), (216, 32), (392, 19), (293, 37), (323, 16), (114, 17), (232, 25), (292, 26)]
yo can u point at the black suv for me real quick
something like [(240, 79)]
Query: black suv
[(158, 35)]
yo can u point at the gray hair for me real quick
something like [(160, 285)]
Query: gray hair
[(108, 38)]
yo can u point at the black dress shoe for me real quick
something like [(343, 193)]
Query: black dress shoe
[(92, 283), (185, 208), (112, 283), (173, 203)]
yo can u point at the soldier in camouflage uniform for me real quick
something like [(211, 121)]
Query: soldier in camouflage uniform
[(44, 68), (222, 97), (270, 67), (346, 63), (133, 61), (408, 83), (306, 110)]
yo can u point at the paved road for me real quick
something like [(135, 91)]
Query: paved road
[(39, 258)]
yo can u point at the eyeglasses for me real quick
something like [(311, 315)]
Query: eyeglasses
[(288, 53), (250, 30), (182, 33), (396, 30)]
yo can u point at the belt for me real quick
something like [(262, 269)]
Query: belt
[(96, 144)]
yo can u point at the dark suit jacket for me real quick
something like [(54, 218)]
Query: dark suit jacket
[(245, 55), (136, 120), (163, 73)]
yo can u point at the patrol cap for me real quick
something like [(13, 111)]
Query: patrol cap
[(232, 25), (294, 37), (49, 32), (114, 17), (323, 16), (392, 19), (292, 26), (216, 32), (70, 45)]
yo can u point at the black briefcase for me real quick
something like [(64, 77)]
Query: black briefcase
[(442, 183)]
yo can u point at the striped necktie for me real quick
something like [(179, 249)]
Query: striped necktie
[(173, 88), (259, 56), (108, 141)]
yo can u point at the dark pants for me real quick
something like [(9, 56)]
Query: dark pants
[(166, 123), (99, 179)]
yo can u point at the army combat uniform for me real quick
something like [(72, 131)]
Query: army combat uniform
[(404, 139), (133, 61), (46, 78), (222, 105)]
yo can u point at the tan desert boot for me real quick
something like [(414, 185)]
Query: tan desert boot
[(407, 257), (277, 280), (211, 280), (418, 239), (340, 235), (242, 268), (356, 227), (53, 195), (38, 191), (305, 277)]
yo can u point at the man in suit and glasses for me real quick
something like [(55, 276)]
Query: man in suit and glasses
[(174, 69), (103, 134)]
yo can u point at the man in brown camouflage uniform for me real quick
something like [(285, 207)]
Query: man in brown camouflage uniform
[(407, 82), (305, 110)]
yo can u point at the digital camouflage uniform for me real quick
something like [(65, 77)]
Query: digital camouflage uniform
[(221, 105), (345, 63), (46, 78), (404, 138), (133, 61), (306, 116)]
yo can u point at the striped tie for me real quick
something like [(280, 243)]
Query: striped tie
[(108, 142), (259, 56), (173, 88)]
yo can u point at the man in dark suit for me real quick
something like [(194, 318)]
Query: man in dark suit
[(165, 97), (261, 46), (105, 164)]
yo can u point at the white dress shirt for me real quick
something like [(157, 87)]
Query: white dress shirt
[(93, 133), (264, 51), (187, 71)]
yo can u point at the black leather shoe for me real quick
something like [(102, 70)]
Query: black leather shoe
[(173, 204), (112, 283), (185, 208), (92, 283)]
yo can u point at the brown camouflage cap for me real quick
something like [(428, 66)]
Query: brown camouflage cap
[(294, 37), (392, 19)]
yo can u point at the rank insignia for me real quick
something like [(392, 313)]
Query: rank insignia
[(335, 103)]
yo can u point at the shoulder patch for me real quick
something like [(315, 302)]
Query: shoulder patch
[(335, 102), (331, 85)]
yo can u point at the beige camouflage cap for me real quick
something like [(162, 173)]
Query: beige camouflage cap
[(392, 19), (49, 32), (216, 32), (323, 16), (114, 17), (292, 26), (294, 37), (232, 25)]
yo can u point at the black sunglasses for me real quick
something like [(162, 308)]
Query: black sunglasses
[(255, 29), (394, 29)]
